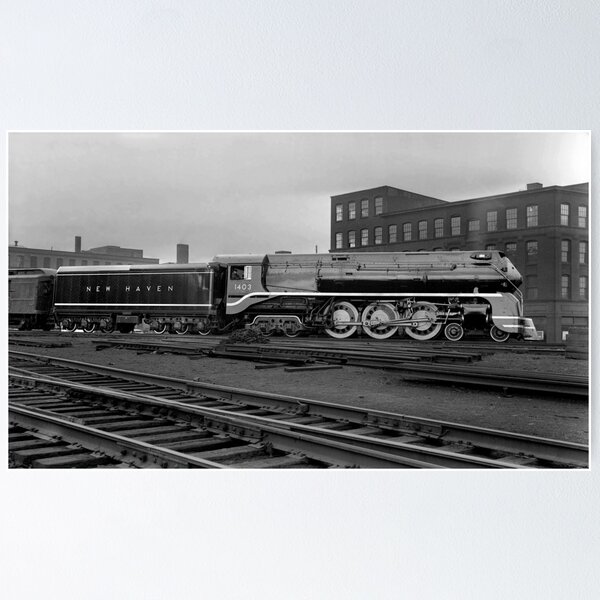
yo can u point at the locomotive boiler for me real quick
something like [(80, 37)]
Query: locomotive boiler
[(420, 294), (384, 293)]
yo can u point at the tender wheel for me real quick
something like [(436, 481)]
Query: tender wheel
[(425, 327), (204, 332), (454, 332), (183, 330), (378, 315), (89, 328), (161, 328), (341, 313), (498, 335), (292, 333), (69, 326)]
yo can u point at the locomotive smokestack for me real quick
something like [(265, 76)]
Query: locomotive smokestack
[(183, 254), (77, 243)]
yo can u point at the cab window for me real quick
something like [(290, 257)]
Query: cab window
[(238, 272)]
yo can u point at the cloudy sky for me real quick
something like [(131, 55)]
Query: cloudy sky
[(252, 192)]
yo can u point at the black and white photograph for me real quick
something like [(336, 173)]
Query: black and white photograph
[(298, 309), (301, 299)]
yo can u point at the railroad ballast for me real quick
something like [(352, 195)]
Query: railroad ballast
[(420, 294)]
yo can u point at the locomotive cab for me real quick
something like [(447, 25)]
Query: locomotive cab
[(244, 280)]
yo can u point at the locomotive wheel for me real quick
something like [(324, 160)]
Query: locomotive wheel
[(379, 315), (498, 335), (342, 312), (89, 328), (454, 332), (428, 329), (184, 329), (162, 328), (204, 332)]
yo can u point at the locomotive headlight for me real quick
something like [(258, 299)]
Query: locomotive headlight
[(481, 256)]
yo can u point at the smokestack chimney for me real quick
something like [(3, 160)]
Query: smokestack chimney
[(183, 254), (534, 186), (77, 243)]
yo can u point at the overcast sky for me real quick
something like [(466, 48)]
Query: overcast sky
[(252, 192)]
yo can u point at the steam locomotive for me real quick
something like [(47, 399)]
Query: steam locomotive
[(420, 294)]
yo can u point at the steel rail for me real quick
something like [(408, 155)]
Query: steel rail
[(97, 440), (554, 451), (574, 386), (336, 452), (449, 432)]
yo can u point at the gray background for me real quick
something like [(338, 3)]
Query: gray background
[(333, 65)]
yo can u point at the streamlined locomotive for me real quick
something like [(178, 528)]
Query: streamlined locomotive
[(421, 294)]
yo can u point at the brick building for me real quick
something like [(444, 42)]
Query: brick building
[(543, 230), (23, 257)]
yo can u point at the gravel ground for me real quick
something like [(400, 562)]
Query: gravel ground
[(374, 388)]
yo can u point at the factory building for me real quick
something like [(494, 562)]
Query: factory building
[(23, 257), (543, 230)]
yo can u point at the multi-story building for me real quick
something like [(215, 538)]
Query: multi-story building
[(543, 230), (23, 257)]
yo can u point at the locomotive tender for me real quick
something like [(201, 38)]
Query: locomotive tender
[(421, 294)]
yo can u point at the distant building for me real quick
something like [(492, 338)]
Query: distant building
[(543, 230), (23, 257)]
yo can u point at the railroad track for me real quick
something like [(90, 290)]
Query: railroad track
[(415, 361), (397, 440)]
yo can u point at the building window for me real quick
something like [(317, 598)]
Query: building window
[(378, 235), (338, 241), (492, 220), (532, 287), (95, 262), (582, 216), (564, 286), (583, 253), (510, 248), (83, 262), (532, 215), (564, 214), (378, 205), (364, 237), (438, 227), (511, 218), (490, 247), (407, 231), (583, 286), (46, 262), (71, 262), (59, 262), (532, 250), (351, 210), (33, 261), (565, 246), (352, 239), (364, 207), (422, 230), (473, 224), (392, 234), (455, 225), (339, 212)]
